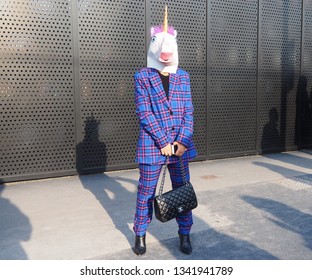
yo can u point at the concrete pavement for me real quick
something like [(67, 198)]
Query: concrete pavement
[(255, 207)]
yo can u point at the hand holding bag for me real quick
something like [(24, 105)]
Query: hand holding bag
[(176, 202)]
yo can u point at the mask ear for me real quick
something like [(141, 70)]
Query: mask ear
[(175, 34)]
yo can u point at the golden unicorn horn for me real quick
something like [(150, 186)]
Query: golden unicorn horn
[(165, 27)]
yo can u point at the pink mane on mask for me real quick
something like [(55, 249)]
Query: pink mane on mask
[(159, 28)]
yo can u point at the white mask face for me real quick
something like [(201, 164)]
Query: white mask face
[(163, 52)]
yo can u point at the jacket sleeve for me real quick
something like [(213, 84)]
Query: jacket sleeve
[(185, 134), (145, 113)]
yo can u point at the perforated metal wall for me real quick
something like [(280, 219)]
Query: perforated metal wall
[(232, 76), (111, 49), (279, 71), (304, 91), (189, 19), (37, 120)]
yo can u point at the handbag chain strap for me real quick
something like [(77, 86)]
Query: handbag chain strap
[(185, 182)]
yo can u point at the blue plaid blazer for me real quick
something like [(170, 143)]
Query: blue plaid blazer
[(163, 121)]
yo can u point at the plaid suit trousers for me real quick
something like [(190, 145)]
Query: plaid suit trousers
[(149, 175)]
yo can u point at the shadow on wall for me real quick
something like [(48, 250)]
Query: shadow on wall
[(303, 137), (274, 141), (15, 228), (271, 139), (91, 154)]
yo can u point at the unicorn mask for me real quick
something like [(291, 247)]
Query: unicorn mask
[(163, 50)]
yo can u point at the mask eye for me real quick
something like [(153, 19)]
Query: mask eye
[(154, 39)]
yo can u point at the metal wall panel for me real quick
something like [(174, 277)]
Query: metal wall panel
[(279, 71), (37, 119), (111, 49), (189, 19), (232, 76), (304, 89)]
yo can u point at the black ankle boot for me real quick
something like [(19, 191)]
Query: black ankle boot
[(185, 243), (140, 246)]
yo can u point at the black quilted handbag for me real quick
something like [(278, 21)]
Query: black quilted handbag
[(176, 202)]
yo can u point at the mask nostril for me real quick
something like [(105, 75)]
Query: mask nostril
[(165, 56)]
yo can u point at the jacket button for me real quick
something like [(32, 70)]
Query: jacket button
[(172, 128)]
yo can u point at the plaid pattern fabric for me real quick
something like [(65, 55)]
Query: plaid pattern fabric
[(149, 175), (163, 121)]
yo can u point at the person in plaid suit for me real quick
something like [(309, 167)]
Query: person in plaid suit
[(165, 111)]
